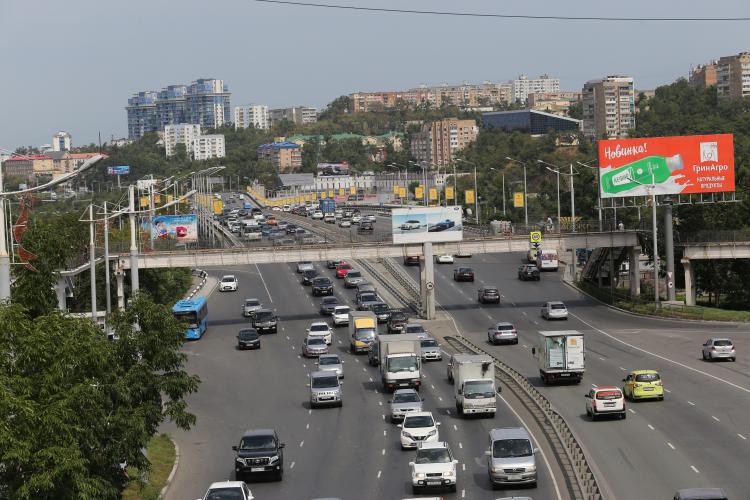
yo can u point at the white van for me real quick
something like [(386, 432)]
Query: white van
[(546, 260)]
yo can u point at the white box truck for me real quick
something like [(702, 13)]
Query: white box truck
[(363, 330), (561, 356), (399, 358), (474, 384)]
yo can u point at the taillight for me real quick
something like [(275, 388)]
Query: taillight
[(593, 403)]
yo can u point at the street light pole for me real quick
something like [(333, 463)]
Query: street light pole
[(4, 255), (656, 246), (572, 201), (92, 260)]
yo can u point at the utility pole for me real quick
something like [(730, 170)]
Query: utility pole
[(4, 255), (134, 285), (572, 201), (92, 259), (669, 247), (106, 261)]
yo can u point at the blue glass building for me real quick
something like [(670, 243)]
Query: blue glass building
[(141, 111), (529, 121)]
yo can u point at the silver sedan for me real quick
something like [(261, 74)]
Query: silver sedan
[(404, 401)]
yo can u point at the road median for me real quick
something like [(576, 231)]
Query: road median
[(163, 455)]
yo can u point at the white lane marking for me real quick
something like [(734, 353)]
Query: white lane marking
[(664, 358), (432, 386), (524, 313), (307, 426), (463, 493), (691, 403), (715, 418), (651, 427), (287, 337), (696, 470), (292, 465), (594, 386), (383, 416), (292, 347), (304, 365), (460, 445), (541, 451), (264, 283), (463, 467), (455, 428), (340, 342), (309, 412), (602, 358), (379, 474), (356, 359), (385, 433), (383, 452), (742, 437), (448, 412), (440, 398), (535, 322), (283, 330), (371, 379), (668, 391), (525, 346), (380, 403), (301, 444), (670, 445), (364, 369), (623, 369), (631, 411)]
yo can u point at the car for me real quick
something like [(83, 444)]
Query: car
[(415, 328), (318, 215), (345, 223), (554, 310), (290, 228), (701, 494), (304, 265), (259, 452), (322, 285), (250, 306), (356, 219), (308, 276), (342, 269), (322, 330), (228, 490), (264, 320), (325, 389), (433, 466), (463, 274), (272, 221), (365, 287), (369, 218), (353, 278), (410, 225), (605, 400), (331, 264), (437, 227), (312, 347), (431, 350), (397, 322), (248, 338), (445, 258), (286, 208), (502, 333), (528, 272), (511, 457), (365, 227), (488, 294), (411, 260), (340, 315), (366, 298), (403, 402), (276, 209), (228, 283), (643, 384), (329, 219), (718, 348), (328, 304), (418, 427), (382, 311), (331, 363)]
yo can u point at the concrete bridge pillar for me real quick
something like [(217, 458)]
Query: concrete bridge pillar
[(120, 279), (635, 271), (689, 282), (60, 292), (427, 282)]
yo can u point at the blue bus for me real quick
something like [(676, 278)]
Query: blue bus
[(195, 312)]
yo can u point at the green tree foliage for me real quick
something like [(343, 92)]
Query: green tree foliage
[(73, 405)]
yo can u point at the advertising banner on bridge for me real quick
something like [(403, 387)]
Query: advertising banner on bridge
[(175, 227), (423, 224), (674, 165)]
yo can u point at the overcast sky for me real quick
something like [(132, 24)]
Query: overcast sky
[(72, 65)]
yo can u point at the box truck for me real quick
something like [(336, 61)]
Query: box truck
[(561, 356), (363, 329), (474, 384), (399, 358)]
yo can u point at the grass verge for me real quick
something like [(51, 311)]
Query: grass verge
[(161, 454)]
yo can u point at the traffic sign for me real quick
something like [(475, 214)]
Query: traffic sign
[(535, 236), (430, 285)]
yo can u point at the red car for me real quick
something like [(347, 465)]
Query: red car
[(463, 274), (342, 269)]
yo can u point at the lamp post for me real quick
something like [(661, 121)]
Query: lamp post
[(556, 170), (525, 197)]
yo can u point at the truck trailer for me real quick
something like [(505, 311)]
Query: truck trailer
[(474, 384), (561, 356), (399, 359)]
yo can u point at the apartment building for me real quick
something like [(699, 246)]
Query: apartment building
[(523, 86), (299, 115), (438, 141), (182, 133), (703, 76), (61, 141), (208, 146), (733, 76), (608, 107), (285, 156), (557, 103), (465, 95), (255, 115), (141, 111)]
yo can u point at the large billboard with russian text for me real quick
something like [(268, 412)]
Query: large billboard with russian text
[(667, 165), (423, 224), (175, 227)]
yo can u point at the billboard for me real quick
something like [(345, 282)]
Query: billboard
[(333, 168), (118, 170), (676, 165), (422, 224), (175, 227)]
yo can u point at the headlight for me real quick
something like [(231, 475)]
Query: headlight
[(274, 459), (406, 434), (419, 475), (432, 433), (496, 470), (531, 468), (450, 473)]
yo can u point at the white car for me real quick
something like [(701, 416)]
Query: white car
[(341, 315), (345, 223), (605, 400), (317, 215), (418, 428), (228, 283), (554, 310), (444, 259), (329, 218), (356, 219), (322, 330), (259, 217), (433, 466), (276, 209), (410, 224), (369, 218), (287, 208), (305, 265), (236, 490)]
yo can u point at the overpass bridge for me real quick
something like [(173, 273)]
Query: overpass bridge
[(708, 251)]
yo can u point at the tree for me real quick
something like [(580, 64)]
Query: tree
[(73, 405)]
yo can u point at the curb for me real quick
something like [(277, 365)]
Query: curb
[(203, 274), (174, 468)]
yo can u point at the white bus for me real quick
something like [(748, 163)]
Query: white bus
[(546, 260)]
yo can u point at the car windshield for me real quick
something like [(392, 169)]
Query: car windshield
[(365, 333), (227, 279), (379, 308), (531, 268), (330, 300), (418, 421), (330, 360), (464, 270), (429, 343), (311, 273), (414, 329), (557, 306), (433, 456), (398, 316), (325, 382), (341, 310), (344, 266), (321, 281), (478, 389), (319, 328), (353, 274), (407, 397), (608, 395), (189, 316), (316, 341), (258, 443), (511, 448), (722, 342), (263, 316), (252, 302), (402, 364), (248, 334), (368, 297), (490, 291), (225, 494), (501, 326), (647, 377)]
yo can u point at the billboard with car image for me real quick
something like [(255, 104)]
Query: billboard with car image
[(423, 224)]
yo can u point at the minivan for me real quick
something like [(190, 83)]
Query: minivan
[(511, 457)]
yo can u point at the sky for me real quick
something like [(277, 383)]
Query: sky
[(72, 65)]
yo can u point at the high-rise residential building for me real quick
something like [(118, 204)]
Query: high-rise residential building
[(608, 107), (208, 103), (181, 133), (285, 156), (733, 76), (208, 146), (438, 141), (171, 106), (61, 141), (255, 115), (465, 95), (703, 76), (299, 115), (523, 86), (141, 110)]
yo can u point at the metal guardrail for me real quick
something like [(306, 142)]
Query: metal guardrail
[(561, 436), (203, 274), (404, 299), (412, 288)]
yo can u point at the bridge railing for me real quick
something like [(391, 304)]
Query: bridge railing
[(685, 237)]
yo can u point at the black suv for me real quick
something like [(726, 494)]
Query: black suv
[(259, 453), (397, 322), (463, 274), (365, 227), (309, 276), (382, 311), (265, 321), (488, 294), (528, 272), (248, 338), (322, 286)]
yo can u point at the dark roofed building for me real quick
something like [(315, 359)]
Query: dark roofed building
[(529, 121)]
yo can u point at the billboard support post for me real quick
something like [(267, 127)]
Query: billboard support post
[(427, 284), (669, 247), (656, 245)]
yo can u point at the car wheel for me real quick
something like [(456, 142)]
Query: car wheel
[(623, 416), (416, 490), (593, 416), (237, 476), (733, 359), (452, 488), (703, 353)]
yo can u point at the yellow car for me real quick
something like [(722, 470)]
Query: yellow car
[(643, 384)]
